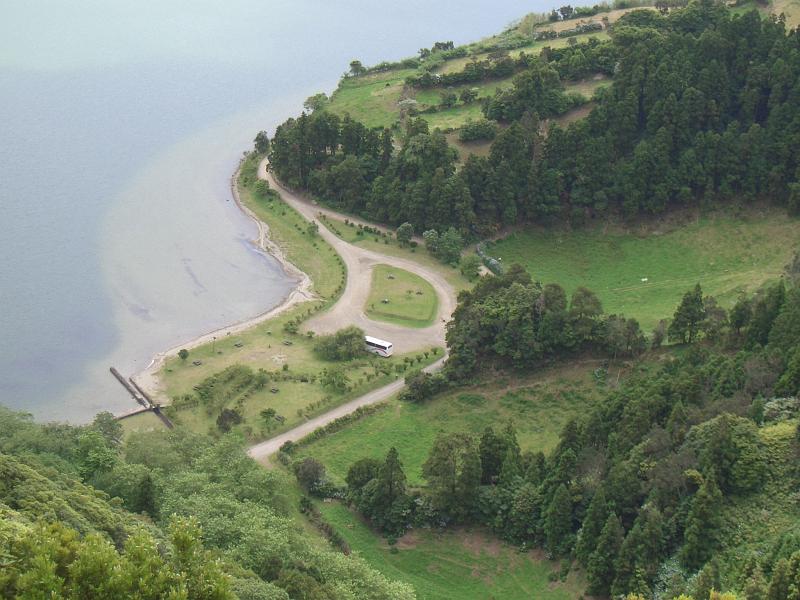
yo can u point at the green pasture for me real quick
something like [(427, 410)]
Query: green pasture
[(455, 565), (296, 394), (539, 406), (371, 99), (645, 274), (397, 296)]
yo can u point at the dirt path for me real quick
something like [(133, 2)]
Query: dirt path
[(263, 450), (349, 310)]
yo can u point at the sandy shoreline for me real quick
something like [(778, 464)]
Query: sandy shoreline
[(148, 379)]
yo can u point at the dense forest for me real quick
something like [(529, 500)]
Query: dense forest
[(703, 107), (160, 515), (643, 490)]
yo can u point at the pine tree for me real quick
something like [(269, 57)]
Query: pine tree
[(707, 580), (600, 571), (780, 582), (391, 478), (640, 554), (536, 469), (596, 516), (492, 453), (756, 586), (146, 502), (701, 525), (688, 316), (511, 470), (558, 522)]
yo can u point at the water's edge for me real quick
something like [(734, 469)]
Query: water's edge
[(302, 292)]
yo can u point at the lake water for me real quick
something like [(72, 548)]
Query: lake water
[(120, 125)]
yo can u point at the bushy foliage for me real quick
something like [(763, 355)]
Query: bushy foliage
[(637, 488), (219, 526), (511, 320), (345, 344)]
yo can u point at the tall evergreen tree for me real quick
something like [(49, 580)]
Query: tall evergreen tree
[(596, 516), (492, 452), (702, 525), (600, 571), (641, 552), (391, 478), (707, 580), (558, 522), (453, 472), (688, 317)]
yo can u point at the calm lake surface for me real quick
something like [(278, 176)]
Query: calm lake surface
[(120, 126)]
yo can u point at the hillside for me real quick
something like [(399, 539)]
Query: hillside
[(158, 515), (617, 413), (639, 188)]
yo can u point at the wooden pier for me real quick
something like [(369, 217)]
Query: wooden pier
[(142, 397), (131, 390)]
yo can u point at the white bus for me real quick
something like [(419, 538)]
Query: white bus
[(379, 347)]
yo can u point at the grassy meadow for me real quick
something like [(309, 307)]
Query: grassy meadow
[(372, 99), (400, 297), (645, 274), (539, 405), (455, 564)]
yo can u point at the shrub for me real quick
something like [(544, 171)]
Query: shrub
[(345, 344), (483, 129)]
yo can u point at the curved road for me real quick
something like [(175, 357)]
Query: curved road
[(349, 310)]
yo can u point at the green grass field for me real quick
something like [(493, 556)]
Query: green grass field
[(539, 406), (645, 276), (411, 300), (456, 564), (371, 99)]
